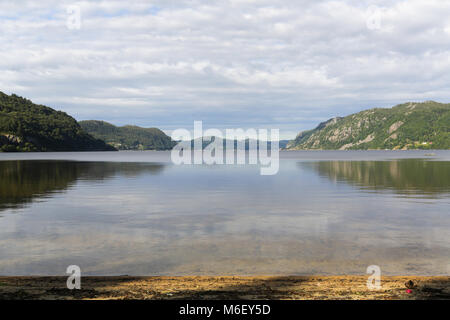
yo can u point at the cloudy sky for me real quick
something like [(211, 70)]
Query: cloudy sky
[(238, 63)]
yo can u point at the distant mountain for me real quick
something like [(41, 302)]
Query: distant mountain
[(406, 126), (208, 140), (128, 137), (283, 143), (25, 126)]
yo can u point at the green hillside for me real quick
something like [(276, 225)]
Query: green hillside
[(25, 126), (128, 137), (407, 126)]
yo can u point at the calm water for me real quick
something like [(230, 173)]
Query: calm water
[(135, 213)]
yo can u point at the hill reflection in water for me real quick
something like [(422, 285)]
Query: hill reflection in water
[(406, 176), (138, 217), (21, 182)]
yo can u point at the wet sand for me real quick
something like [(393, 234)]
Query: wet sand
[(212, 288)]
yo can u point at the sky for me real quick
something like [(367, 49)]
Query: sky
[(231, 64)]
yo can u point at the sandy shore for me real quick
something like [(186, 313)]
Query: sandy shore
[(206, 287)]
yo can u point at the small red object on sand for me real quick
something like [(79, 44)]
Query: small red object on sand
[(409, 291)]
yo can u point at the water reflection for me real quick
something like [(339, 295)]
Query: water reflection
[(406, 176), (137, 218), (23, 181)]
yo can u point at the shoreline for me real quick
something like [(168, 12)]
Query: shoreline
[(347, 287)]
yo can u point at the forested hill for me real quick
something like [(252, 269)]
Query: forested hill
[(128, 137), (25, 126), (407, 126)]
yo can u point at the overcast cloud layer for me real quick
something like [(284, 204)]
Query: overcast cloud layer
[(276, 64)]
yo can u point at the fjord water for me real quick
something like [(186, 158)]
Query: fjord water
[(136, 213)]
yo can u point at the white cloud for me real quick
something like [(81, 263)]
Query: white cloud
[(238, 63)]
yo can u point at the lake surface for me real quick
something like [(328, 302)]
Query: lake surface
[(135, 213)]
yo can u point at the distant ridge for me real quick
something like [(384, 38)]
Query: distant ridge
[(128, 137), (406, 126), (25, 126), (243, 145)]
